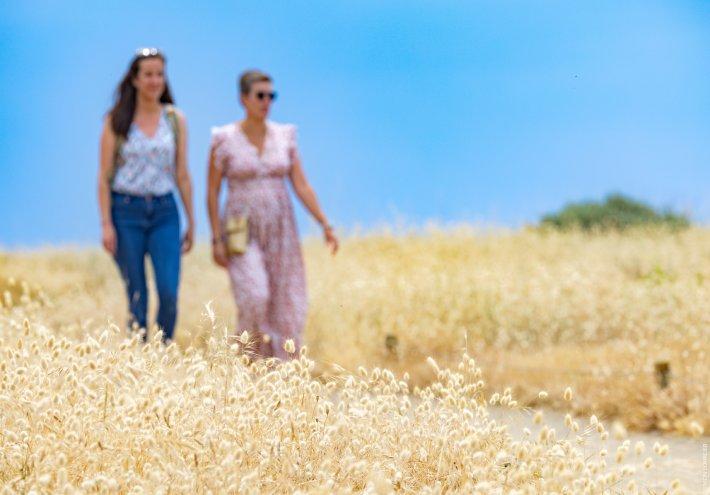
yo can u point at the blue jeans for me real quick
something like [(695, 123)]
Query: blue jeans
[(148, 225)]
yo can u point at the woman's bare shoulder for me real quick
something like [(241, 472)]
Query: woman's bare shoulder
[(180, 114)]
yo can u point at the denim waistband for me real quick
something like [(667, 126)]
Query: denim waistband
[(119, 197)]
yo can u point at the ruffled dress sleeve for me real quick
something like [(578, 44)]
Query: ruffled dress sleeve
[(291, 139), (217, 146)]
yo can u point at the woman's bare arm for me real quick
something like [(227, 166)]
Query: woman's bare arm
[(308, 197), (214, 184), (184, 183), (107, 148), (305, 192)]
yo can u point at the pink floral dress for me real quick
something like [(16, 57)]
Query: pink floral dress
[(268, 280)]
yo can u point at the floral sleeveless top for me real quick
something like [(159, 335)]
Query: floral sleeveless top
[(146, 164)]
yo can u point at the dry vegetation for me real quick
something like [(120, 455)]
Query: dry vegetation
[(85, 409), (537, 311)]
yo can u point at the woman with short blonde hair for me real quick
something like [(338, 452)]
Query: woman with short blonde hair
[(256, 238)]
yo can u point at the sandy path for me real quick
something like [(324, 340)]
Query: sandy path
[(684, 462)]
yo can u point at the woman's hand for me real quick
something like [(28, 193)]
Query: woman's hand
[(330, 239), (108, 238), (188, 238), (219, 254), (308, 197)]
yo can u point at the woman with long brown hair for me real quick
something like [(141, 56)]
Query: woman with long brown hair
[(256, 239), (143, 158)]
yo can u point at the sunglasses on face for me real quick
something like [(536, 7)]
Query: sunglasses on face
[(261, 95)]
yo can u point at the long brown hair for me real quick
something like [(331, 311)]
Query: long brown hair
[(124, 107)]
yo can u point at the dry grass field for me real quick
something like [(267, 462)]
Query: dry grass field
[(504, 315)]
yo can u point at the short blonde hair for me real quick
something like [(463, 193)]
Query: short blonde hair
[(249, 77)]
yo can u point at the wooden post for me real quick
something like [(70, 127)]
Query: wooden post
[(391, 343), (663, 373)]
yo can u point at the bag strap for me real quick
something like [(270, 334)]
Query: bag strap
[(174, 124)]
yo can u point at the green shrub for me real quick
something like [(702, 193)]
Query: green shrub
[(617, 212)]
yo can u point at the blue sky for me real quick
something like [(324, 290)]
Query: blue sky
[(492, 112)]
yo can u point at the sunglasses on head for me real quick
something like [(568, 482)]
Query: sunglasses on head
[(261, 95), (147, 52)]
